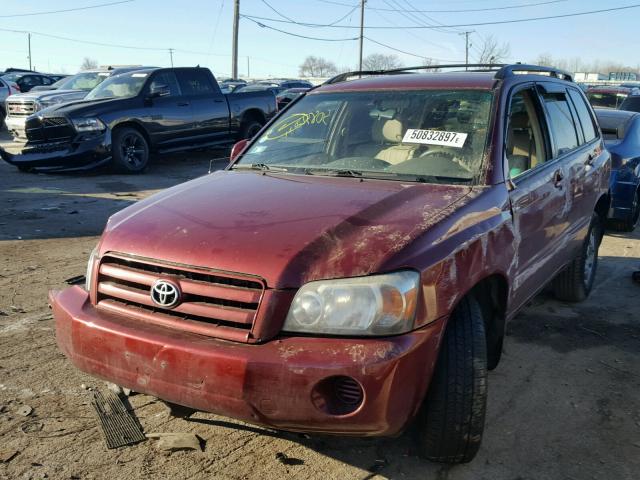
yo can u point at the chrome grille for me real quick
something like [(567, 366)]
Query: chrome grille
[(213, 304), (20, 109)]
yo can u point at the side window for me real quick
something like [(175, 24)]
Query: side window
[(46, 80), (28, 81), (584, 114), (525, 141), (561, 122), (196, 82), (166, 78)]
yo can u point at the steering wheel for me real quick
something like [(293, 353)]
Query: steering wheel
[(434, 151)]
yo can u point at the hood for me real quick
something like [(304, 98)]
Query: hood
[(47, 94), (287, 229), (86, 108)]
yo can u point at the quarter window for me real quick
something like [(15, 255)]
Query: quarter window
[(584, 115), (561, 122)]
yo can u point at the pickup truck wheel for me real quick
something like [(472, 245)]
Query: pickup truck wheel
[(575, 282), (130, 150), (451, 422), (250, 129)]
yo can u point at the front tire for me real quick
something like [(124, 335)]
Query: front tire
[(575, 282), (130, 150), (451, 423)]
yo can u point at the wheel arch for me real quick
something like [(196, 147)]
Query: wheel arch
[(135, 126), (252, 114)]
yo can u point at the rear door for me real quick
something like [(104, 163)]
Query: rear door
[(539, 192), (209, 108), (167, 118)]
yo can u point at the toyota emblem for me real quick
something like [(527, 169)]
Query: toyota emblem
[(165, 293)]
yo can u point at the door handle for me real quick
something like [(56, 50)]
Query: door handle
[(183, 104), (558, 177), (590, 159), (218, 101)]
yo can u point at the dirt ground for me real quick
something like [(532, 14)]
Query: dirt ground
[(563, 404)]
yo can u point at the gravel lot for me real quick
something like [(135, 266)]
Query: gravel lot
[(563, 404)]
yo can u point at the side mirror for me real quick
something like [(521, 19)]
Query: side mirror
[(237, 149), (159, 91)]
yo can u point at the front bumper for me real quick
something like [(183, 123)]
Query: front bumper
[(16, 126), (272, 384), (624, 185), (82, 153)]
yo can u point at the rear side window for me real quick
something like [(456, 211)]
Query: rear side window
[(196, 82), (584, 114), (46, 80), (561, 122)]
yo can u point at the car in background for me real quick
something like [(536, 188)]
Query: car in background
[(128, 116), (230, 87), (608, 96), (75, 87), (621, 132), (6, 89), (632, 102), (57, 76), (285, 97), (27, 80), (276, 86)]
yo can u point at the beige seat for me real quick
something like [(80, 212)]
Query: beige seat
[(390, 132), (521, 148)]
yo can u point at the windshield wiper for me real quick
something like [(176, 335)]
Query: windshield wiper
[(333, 172), (260, 166)]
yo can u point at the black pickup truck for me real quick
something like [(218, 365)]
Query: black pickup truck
[(128, 116)]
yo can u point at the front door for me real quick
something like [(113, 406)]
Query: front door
[(166, 117)]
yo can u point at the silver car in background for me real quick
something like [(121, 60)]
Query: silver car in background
[(7, 88)]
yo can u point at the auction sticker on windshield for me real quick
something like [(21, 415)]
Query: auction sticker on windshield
[(435, 137)]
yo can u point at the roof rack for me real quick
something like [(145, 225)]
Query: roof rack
[(502, 71), (520, 68)]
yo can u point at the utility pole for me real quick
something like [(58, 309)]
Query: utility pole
[(171, 55), (234, 48), (29, 40), (466, 55), (362, 2), (248, 69)]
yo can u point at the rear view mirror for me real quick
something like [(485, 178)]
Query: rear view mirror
[(237, 149), (159, 91)]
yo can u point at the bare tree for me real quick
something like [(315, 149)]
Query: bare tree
[(493, 52), (317, 67), (379, 61), (88, 64), (430, 62)]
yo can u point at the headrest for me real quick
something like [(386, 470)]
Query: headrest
[(520, 120), (392, 130)]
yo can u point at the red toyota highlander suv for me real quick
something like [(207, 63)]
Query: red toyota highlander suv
[(353, 269)]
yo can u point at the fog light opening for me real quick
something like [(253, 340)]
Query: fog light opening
[(339, 395)]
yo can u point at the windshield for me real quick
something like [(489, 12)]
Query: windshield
[(12, 77), (119, 86), (82, 81), (426, 136), (606, 100)]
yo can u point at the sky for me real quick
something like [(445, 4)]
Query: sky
[(200, 32)]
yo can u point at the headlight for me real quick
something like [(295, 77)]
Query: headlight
[(90, 266), (42, 104), (376, 305), (88, 125)]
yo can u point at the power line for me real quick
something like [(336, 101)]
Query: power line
[(478, 24), (405, 52), (461, 10), (296, 22), (262, 25), (66, 10)]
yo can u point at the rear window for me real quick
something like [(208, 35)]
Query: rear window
[(196, 82), (631, 104), (561, 122), (606, 100)]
